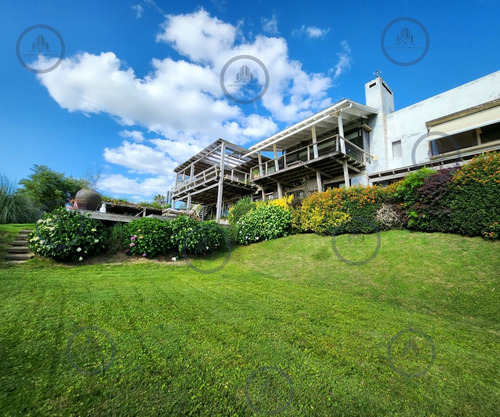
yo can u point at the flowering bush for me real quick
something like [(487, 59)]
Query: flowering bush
[(147, 237), (474, 197), (264, 223), (66, 235), (196, 238), (341, 210), (389, 216)]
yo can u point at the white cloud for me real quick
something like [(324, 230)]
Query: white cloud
[(117, 184), (140, 158), (270, 25), (135, 135), (181, 101), (312, 32), (344, 62), (138, 9)]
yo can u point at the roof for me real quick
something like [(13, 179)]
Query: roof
[(325, 120), (236, 157)]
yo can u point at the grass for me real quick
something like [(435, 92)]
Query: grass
[(284, 327)]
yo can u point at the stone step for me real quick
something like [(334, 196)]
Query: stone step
[(18, 256), (18, 249), (19, 242)]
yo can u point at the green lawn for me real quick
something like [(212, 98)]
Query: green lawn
[(284, 327)]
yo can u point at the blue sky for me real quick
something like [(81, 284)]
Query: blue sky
[(138, 89)]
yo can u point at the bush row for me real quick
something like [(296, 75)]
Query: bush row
[(66, 235), (464, 201)]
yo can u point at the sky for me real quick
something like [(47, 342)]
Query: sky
[(138, 88)]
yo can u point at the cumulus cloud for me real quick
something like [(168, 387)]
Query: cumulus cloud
[(311, 32), (344, 60), (135, 135), (270, 25), (181, 100)]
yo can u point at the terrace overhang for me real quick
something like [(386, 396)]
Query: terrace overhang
[(332, 117)]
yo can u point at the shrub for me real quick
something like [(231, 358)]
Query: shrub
[(196, 238), (474, 197), (341, 210), (406, 190), (389, 217), (265, 223), (116, 238), (147, 237), (243, 206), (430, 212), (66, 235)]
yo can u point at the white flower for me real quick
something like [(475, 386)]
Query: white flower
[(96, 241), (80, 259), (78, 249)]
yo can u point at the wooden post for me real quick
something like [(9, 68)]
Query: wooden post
[(341, 132), (221, 182), (318, 180), (315, 142), (276, 163), (346, 174)]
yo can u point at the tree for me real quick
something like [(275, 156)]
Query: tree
[(50, 189), (160, 199)]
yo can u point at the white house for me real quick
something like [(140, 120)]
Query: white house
[(347, 144)]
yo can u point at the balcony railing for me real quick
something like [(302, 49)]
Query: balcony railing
[(210, 174), (308, 153)]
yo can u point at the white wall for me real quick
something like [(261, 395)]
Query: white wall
[(408, 124)]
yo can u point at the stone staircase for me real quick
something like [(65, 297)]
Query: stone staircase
[(18, 251)]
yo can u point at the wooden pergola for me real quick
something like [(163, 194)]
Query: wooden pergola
[(218, 173)]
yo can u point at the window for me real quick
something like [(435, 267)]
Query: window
[(396, 150)]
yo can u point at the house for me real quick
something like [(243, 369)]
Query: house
[(348, 144)]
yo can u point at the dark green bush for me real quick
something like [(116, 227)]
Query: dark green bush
[(242, 207), (431, 211), (66, 235), (147, 237), (264, 223), (474, 196)]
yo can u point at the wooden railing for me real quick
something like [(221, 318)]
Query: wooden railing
[(309, 153), (210, 174)]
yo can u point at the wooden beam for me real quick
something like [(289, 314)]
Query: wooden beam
[(221, 183)]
